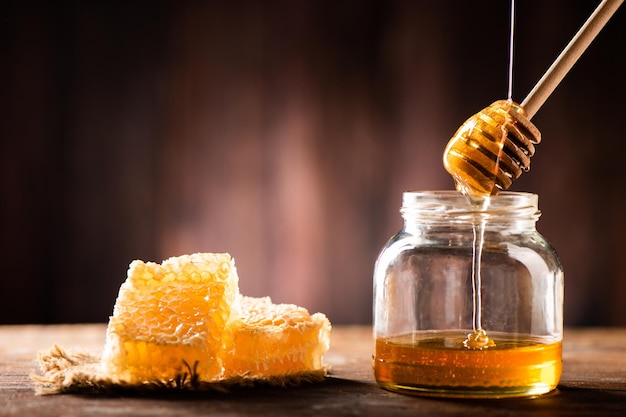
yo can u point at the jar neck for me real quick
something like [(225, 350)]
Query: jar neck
[(449, 208)]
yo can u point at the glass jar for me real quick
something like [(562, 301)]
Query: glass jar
[(468, 299)]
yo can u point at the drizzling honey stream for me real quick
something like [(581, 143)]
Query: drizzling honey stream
[(485, 155)]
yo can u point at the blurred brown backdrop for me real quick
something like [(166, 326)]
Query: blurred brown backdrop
[(284, 132)]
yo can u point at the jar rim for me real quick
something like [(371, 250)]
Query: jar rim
[(452, 203)]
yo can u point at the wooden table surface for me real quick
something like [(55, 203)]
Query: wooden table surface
[(593, 383)]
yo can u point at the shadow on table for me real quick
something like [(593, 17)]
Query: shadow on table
[(343, 397), (564, 401), (330, 385)]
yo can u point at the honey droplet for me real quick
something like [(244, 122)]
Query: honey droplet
[(478, 339)]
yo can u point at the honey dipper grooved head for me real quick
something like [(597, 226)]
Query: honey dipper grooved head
[(491, 149)]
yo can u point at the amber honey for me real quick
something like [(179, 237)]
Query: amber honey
[(439, 364)]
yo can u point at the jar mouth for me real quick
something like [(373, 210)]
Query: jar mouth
[(453, 204)]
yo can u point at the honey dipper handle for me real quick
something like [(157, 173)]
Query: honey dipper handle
[(566, 60)]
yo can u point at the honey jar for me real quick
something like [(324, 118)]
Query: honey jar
[(468, 299)]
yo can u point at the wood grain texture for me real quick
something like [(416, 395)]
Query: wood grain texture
[(593, 383)]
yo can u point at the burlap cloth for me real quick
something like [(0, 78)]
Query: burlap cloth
[(79, 372)]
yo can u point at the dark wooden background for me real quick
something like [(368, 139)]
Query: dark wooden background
[(284, 132)]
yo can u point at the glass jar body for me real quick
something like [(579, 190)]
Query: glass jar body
[(459, 267)]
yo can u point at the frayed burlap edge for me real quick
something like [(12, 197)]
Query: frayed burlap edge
[(79, 372)]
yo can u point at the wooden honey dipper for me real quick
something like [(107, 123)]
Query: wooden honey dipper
[(494, 146)]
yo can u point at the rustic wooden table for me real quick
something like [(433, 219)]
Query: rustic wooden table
[(593, 383)]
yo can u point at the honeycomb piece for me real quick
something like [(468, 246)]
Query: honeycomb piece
[(171, 319), (275, 339)]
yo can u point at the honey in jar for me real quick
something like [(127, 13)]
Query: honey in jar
[(468, 299)]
